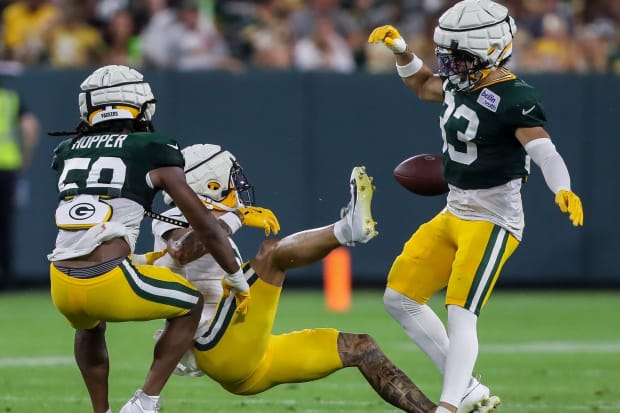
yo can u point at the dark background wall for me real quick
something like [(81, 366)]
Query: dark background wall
[(298, 136)]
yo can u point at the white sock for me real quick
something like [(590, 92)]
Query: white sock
[(441, 409), (421, 324), (462, 354), (148, 402), (342, 232), (108, 411)]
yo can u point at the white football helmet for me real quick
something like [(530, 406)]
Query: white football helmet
[(472, 37), (115, 92), (215, 175)]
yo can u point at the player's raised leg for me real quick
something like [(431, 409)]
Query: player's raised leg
[(356, 224)]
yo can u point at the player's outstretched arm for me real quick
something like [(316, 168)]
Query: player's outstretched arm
[(541, 149), (415, 74)]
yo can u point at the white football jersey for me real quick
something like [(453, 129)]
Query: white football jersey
[(205, 273)]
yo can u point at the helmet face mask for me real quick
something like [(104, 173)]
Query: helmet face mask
[(240, 183), (473, 33), (461, 68)]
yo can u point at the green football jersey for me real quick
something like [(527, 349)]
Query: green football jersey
[(478, 130), (114, 164)]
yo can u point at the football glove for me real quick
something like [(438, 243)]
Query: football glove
[(258, 217), (389, 36), (570, 203), (238, 284), (148, 258)]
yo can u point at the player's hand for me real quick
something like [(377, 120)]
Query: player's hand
[(570, 203), (389, 36), (148, 258), (239, 286), (258, 217)]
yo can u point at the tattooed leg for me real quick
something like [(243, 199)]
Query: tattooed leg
[(392, 384)]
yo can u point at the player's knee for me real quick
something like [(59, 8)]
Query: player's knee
[(398, 304), (392, 302), (266, 263), (266, 250)]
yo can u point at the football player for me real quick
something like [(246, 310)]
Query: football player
[(224, 335), (108, 173), (492, 124)]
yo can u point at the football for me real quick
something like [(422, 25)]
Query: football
[(422, 174)]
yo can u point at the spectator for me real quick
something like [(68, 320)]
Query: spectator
[(73, 42), (155, 36), (304, 21), (268, 36), (325, 49), (554, 51), (19, 131), (26, 25), (196, 43), (596, 42), (123, 46)]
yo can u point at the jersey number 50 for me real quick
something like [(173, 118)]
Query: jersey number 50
[(94, 179)]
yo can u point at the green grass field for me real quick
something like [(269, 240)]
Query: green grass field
[(540, 351)]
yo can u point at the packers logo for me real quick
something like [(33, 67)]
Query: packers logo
[(82, 211), (213, 185)]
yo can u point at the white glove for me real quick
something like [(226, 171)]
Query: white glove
[(239, 285)]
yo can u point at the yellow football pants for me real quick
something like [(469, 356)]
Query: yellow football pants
[(464, 256), (126, 293), (241, 354)]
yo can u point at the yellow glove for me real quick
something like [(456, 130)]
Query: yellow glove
[(389, 36), (242, 298), (148, 258), (258, 217), (570, 203)]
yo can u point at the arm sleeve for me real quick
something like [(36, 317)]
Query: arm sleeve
[(543, 153)]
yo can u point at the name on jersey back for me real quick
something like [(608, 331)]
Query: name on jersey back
[(100, 141)]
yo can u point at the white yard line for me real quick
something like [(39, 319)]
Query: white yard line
[(543, 347), (36, 361), (533, 347)]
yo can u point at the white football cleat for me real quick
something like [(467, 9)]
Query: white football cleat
[(140, 403), (187, 366), (477, 397), (357, 215)]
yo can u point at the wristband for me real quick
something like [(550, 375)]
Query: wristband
[(232, 220), (410, 68)]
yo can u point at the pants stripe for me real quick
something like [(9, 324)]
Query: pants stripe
[(165, 292), (488, 267), (224, 313)]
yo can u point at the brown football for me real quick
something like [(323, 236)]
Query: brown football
[(422, 174)]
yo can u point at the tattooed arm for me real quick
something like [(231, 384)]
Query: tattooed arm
[(392, 384)]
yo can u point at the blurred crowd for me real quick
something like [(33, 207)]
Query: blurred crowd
[(574, 36)]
